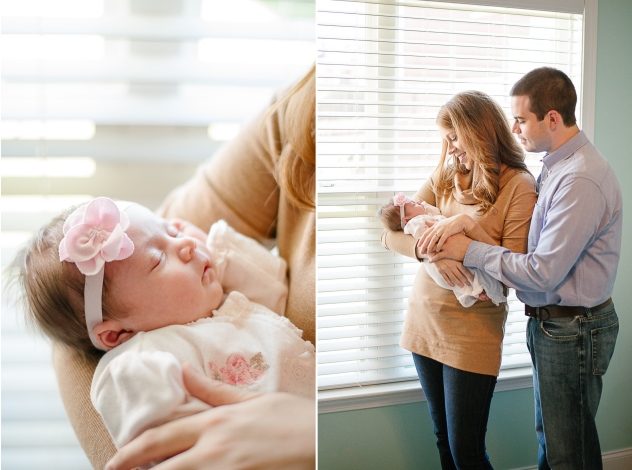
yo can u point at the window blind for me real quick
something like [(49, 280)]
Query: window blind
[(384, 69)]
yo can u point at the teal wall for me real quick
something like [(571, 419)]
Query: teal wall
[(400, 437), (614, 103)]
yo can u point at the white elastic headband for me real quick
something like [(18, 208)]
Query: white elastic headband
[(94, 234), (92, 295)]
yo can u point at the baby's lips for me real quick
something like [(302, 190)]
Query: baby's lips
[(208, 270)]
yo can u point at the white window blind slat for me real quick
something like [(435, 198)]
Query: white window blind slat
[(334, 347), (376, 272), (351, 320), (353, 309), (384, 69), (353, 366), (516, 7), (363, 285)]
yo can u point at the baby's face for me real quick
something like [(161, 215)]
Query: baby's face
[(169, 279), (413, 209)]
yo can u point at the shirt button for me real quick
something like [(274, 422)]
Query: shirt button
[(299, 372)]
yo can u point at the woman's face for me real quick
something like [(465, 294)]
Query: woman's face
[(456, 148)]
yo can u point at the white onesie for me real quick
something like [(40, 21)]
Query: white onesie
[(138, 385), (466, 295)]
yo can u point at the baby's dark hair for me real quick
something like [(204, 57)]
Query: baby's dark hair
[(389, 215), (52, 290)]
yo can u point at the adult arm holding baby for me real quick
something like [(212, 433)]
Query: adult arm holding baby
[(453, 272), (204, 440), (263, 184)]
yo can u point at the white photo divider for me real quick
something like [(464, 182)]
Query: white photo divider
[(384, 69)]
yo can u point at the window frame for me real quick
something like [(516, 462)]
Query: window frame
[(404, 392)]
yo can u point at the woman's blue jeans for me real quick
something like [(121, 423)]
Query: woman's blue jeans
[(459, 407), (570, 356)]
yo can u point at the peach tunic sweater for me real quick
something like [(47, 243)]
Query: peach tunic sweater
[(238, 185), (436, 325)]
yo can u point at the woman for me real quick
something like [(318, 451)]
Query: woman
[(483, 187), (263, 184)]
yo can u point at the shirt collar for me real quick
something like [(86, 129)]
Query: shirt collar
[(567, 149)]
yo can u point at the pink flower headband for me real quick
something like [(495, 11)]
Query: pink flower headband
[(400, 200), (93, 235)]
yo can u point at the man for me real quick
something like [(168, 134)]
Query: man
[(567, 276)]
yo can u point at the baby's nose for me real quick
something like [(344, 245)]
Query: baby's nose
[(187, 248)]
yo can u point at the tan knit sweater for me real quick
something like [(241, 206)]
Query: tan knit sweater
[(437, 325), (237, 184)]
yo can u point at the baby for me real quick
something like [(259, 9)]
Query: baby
[(414, 218), (155, 293)]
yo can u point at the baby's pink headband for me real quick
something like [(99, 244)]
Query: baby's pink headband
[(400, 200), (93, 235)]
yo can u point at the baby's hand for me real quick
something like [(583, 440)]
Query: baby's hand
[(483, 296), (188, 229)]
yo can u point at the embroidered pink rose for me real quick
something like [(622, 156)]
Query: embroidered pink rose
[(238, 371), (399, 199), (94, 235)]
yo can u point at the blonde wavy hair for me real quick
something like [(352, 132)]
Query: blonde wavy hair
[(295, 157), (483, 130)]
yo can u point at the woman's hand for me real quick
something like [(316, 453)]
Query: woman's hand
[(434, 238), (453, 272), (246, 430)]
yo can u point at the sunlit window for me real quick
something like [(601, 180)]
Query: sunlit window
[(47, 167), (38, 203), (256, 11), (52, 46), (223, 131), (252, 51), (53, 8), (35, 129), (238, 11), (384, 69)]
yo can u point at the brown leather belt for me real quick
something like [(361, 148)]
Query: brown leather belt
[(560, 311)]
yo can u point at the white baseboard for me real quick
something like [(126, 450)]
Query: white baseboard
[(618, 459), (614, 460)]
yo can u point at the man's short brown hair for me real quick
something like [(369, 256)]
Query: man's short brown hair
[(548, 89)]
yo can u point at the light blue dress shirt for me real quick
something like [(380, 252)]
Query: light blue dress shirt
[(575, 234)]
